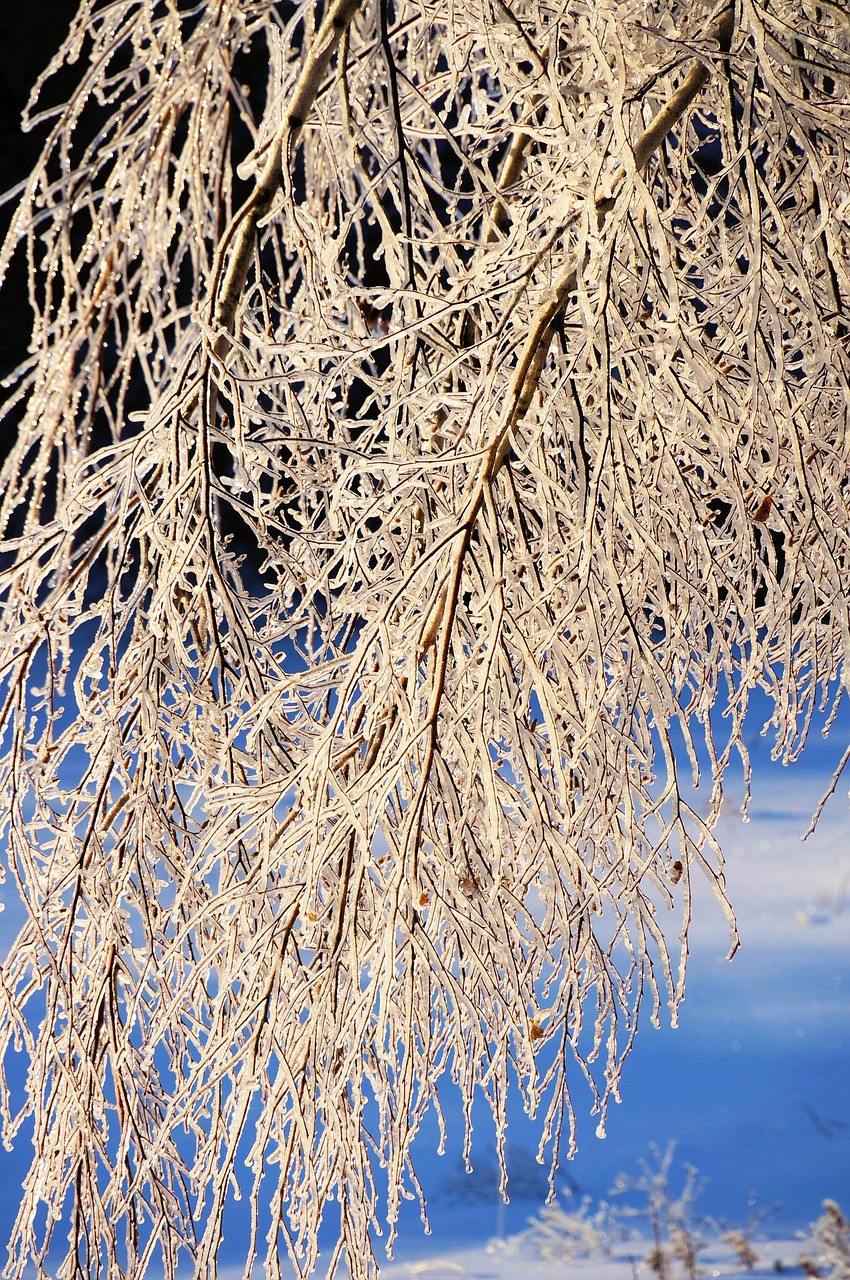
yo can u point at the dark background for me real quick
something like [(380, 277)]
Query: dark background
[(30, 33)]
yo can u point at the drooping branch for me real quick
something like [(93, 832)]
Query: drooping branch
[(237, 246), (338, 772), (719, 33), (535, 351)]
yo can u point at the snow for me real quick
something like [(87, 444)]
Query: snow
[(516, 1259)]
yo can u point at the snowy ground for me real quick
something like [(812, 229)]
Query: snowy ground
[(517, 1259)]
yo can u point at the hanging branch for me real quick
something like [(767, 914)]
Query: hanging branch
[(346, 780), (550, 314)]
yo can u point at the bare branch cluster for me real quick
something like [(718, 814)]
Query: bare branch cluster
[(375, 552)]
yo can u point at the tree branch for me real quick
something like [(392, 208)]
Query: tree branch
[(240, 235), (533, 359)]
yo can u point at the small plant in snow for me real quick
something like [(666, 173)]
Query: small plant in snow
[(741, 1247), (559, 1235), (827, 1252), (677, 1235)]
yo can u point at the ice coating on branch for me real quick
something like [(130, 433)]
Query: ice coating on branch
[(381, 555)]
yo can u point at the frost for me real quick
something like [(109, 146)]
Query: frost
[(377, 553), (826, 1253)]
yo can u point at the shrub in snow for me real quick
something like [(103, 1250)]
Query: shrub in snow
[(827, 1251), (558, 1235), (742, 1248)]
